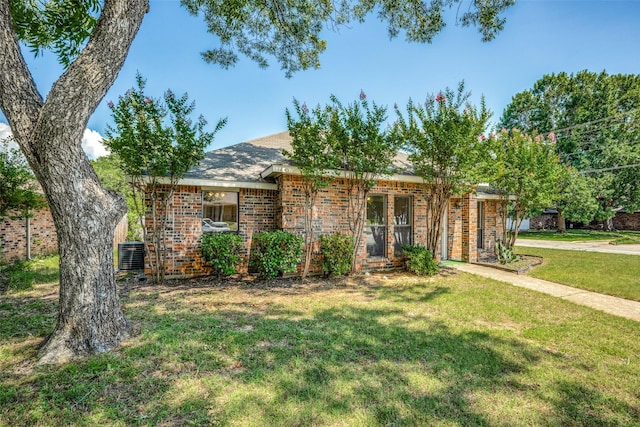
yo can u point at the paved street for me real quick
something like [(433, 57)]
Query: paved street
[(589, 245)]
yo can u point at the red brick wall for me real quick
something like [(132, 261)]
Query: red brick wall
[(13, 242), (256, 213), (267, 210)]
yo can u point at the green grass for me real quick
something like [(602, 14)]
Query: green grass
[(576, 235), (23, 275), (611, 274), (454, 350), (627, 240)]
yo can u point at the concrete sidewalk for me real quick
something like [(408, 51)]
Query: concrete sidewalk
[(612, 305), (584, 245)]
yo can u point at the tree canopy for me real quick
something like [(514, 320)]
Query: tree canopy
[(595, 118)]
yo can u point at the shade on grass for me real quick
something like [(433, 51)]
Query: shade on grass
[(377, 350), (611, 274)]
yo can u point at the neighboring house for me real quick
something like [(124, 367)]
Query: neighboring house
[(13, 236), (37, 236), (622, 220), (251, 187)]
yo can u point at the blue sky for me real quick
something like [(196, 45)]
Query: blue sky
[(541, 37)]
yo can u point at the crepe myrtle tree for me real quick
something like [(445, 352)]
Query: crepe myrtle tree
[(446, 145), (311, 153), (92, 39), (363, 151), (157, 143), (527, 174)]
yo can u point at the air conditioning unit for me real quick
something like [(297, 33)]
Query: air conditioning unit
[(131, 256)]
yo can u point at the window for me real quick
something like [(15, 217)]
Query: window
[(219, 211), (401, 223), (480, 225), (375, 229)]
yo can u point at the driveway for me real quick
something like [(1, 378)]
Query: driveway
[(585, 245)]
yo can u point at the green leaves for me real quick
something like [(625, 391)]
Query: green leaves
[(157, 137), (62, 26), (18, 191), (290, 31), (444, 139)]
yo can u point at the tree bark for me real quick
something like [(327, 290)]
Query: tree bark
[(85, 214)]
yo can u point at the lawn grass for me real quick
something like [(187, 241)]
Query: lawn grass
[(24, 274), (577, 235), (454, 350), (611, 274)]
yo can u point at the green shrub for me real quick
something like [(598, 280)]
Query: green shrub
[(419, 260), (338, 254), (222, 252), (274, 253), (505, 254)]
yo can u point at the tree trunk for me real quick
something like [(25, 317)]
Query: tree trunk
[(85, 214), (562, 224), (608, 224)]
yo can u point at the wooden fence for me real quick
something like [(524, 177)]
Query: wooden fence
[(120, 234)]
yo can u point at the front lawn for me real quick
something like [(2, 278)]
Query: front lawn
[(455, 350), (577, 235), (611, 274)]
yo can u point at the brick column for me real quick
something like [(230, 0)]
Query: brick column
[(469, 228)]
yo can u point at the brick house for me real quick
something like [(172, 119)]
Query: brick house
[(251, 187), (13, 236)]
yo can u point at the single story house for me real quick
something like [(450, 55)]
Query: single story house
[(251, 187)]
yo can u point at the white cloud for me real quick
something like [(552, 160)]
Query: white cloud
[(92, 144), (91, 141)]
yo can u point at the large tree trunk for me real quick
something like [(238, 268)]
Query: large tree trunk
[(85, 214), (562, 224)]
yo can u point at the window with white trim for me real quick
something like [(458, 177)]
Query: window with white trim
[(401, 223), (219, 211)]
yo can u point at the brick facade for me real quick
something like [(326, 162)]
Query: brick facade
[(13, 237), (267, 210)]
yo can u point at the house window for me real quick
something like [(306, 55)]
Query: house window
[(480, 225), (219, 211), (375, 229), (401, 223)]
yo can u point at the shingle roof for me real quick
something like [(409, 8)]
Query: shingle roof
[(245, 161)]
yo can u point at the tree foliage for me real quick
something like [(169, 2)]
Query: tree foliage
[(363, 151), (312, 154), (446, 145), (157, 143), (18, 191), (291, 31), (596, 120), (526, 173)]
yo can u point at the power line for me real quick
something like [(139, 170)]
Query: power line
[(611, 168)]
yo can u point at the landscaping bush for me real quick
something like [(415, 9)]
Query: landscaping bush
[(222, 252), (419, 260), (505, 254), (338, 254), (274, 253)]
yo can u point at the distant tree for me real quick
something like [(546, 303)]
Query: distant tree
[(92, 39), (157, 143), (527, 173), (363, 151), (446, 145), (311, 153), (576, 202), (19, 194), (596, 120)]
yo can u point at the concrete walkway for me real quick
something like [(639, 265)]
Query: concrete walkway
[(584, 245), (612, 305)]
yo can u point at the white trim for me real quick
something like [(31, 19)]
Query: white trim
[(214, 183)]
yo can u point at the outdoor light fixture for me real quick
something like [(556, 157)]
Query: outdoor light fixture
[(214, 196)]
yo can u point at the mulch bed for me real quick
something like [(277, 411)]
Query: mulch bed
[(523, 265)]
